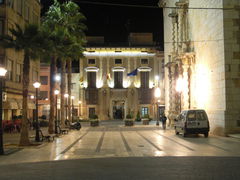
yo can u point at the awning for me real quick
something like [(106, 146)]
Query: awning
[(10, 104)]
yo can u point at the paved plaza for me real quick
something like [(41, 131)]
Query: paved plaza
[(114, 146), (112, 139)]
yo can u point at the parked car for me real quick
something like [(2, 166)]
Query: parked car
[(192, 122)]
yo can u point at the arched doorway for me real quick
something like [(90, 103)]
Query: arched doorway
[(118, 109)]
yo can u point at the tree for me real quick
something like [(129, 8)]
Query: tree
[(63, 23), (74, 25), (30, 41)]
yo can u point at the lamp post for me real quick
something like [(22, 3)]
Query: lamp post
[(37, 86), (57, 78), (80, 108), (157, 95), (72, 98), (56, 92), (3, 72), (179, 89), (66, 96)]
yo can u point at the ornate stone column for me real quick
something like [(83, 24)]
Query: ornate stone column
[(186, 90)]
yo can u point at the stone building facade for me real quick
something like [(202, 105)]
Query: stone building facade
[(108, 91), (202, 49), (17, 12)]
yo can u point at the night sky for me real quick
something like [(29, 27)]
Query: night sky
[(115, 22)]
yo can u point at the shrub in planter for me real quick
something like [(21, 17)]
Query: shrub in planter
[(145, 119), (146, 116), (129, 121), (138, 118), (94, 120)]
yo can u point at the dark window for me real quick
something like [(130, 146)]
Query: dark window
[(91, 79), (144, 111), (91, 61), (118, 79), (1, 1), (1, 27), (44, 80), (43, 95), (144, 61), (91, 112), (144, 79), (118, 61)]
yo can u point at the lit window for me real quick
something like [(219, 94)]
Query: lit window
[(35, 76), (19, 73), (144, 111), (10, 70)]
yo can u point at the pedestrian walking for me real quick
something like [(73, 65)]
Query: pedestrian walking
[(164, 119)]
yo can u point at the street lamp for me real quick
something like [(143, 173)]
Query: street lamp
[(56, 92), (157, 95), (72, 98), (66, 96), (179, 89), (80, 107), (37, 86), (3, 72), (57, 78)]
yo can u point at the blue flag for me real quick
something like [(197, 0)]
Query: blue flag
[(133, 73)]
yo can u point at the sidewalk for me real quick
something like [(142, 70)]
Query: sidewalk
[(234, 135)]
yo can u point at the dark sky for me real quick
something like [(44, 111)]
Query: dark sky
[(111, 21)]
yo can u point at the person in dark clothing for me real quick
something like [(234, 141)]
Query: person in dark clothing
[(164, 120)]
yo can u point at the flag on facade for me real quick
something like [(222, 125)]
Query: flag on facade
[(81, 79), (133, 73), (109, 76)]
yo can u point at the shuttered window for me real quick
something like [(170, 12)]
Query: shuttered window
[(118, 79), (91, 79), (144, 79), (19, 73)]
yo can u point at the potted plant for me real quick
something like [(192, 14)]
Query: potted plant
[(94, 121), (129, 120), (138, 118), (145, 119)]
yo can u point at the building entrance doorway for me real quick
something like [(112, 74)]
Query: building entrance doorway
[(118, 109)]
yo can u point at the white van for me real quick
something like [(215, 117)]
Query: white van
[(192, 122)]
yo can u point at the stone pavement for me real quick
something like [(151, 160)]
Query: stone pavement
[(127, 168), (113, 139)]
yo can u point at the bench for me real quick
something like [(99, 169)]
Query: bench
[(63, 131), (47, 137)]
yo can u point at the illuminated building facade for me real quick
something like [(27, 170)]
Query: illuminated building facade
[(116, 81), (202, 52), (18, 12)]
